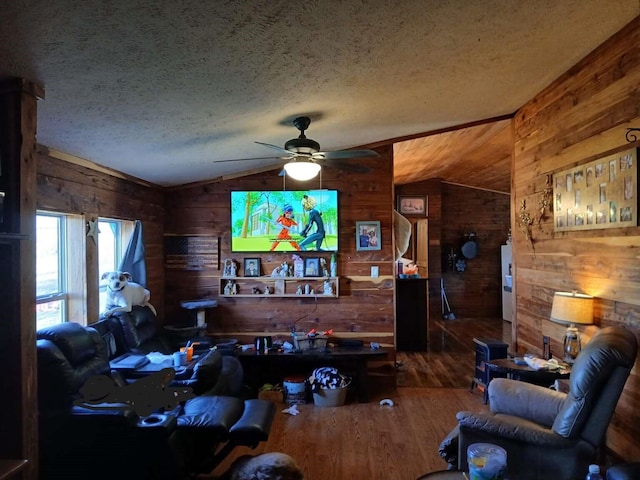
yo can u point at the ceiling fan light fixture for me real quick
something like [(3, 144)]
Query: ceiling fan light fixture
[(302, 170)]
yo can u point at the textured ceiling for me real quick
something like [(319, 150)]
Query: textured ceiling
[(162, 89)]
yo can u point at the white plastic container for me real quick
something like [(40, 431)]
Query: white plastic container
[(486, 461), (295, 390)]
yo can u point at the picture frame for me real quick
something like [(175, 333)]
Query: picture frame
[(252, 267), (312, 267), (368, 236), (602, 193), (412, 205)]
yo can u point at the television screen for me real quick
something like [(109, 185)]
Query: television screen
[(284, 221)]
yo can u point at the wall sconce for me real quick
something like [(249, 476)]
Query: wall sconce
[(573, 309), (302, 169)]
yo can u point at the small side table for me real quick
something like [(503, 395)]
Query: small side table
[(506, 366), (486, 349)]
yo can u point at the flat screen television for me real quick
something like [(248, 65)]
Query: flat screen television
[(284, 221)]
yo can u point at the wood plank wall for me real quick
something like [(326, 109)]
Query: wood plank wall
[(582, 116), (365, 308), (453, 211), (76, 189)]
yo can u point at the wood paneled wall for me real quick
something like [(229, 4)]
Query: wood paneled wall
[(76, 189), (475, 292), (581, 116), (453, 211), (365, 308)]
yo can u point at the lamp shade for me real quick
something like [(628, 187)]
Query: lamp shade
[(572, 308), (302, 170)]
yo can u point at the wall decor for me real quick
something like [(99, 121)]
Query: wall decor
[(312, 267), (251, 267), (368, 236), (599, 194), (526, 219), (412, 205), (191, 252)]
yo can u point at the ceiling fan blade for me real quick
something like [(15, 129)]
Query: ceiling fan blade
[(350, 167), (341, 154), (250, 159), (275, 147)]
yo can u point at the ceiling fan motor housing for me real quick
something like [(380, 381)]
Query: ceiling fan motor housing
[(302, 144)]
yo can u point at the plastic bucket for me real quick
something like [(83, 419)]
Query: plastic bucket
[(295, 390), (486, 461)]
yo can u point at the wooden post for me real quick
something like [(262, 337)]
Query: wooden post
[(19, 413)]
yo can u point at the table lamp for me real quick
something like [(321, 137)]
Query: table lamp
[(572, 308)]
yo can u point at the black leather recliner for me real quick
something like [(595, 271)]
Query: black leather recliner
[(111, 440)]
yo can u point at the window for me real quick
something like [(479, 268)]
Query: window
[(51, 281), (63, 292)]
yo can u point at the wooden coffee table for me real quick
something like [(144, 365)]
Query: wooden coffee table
[(256, 364)]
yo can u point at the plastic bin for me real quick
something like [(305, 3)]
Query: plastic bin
[(330, 397)]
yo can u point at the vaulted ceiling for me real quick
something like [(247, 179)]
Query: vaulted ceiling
[(162, 90)]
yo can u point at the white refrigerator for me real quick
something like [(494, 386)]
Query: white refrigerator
[(507, 283)]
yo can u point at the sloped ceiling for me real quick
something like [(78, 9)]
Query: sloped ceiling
[(163, 89), (477, 156)]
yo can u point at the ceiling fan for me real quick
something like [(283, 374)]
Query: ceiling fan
[(306, 159)]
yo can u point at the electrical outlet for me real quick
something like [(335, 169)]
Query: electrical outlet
[(374, 272)]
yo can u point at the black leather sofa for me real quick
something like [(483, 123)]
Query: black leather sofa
[(138, 332), (82, 437)]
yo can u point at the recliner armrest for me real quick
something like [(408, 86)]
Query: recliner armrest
[(532, 402), (255, 424), (514, 428)]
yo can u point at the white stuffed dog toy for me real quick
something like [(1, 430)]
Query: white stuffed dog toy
[(123, 294)]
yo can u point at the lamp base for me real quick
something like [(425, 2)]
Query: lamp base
[(571, 344)]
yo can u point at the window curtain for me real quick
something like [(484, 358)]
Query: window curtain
[(133, 258)]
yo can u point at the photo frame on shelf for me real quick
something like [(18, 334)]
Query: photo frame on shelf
[(412, 205), (312, 267), (597, 195), (368, 236), (251, 267)]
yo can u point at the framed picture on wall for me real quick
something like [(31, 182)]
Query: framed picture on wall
[(312, 267), (412, 205), (368, 236), (602, 193), (251, 267)]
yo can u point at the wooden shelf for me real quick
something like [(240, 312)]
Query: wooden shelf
[(280, 287)]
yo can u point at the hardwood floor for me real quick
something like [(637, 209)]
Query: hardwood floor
[(368, 441), (451, 356)]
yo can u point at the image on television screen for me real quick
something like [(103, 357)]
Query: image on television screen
[(284, 221)]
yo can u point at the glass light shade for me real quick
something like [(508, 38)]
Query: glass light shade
[(302, 170)]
